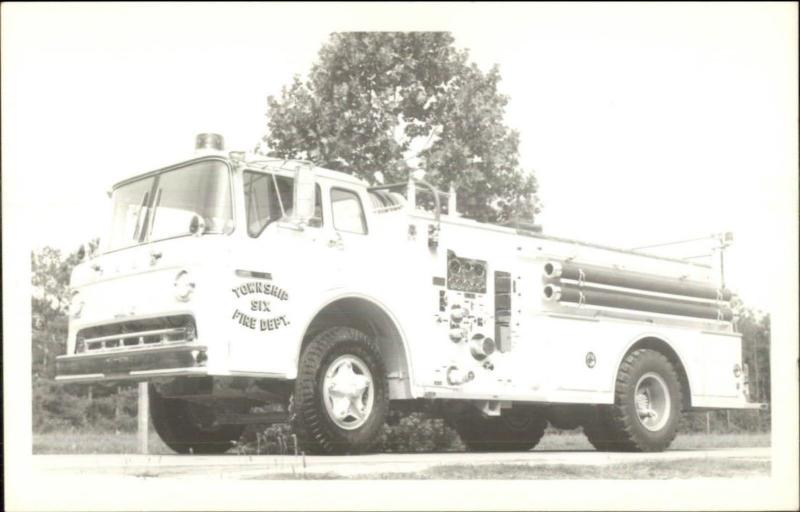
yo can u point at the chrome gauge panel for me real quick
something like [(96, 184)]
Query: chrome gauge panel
[(465, 275)]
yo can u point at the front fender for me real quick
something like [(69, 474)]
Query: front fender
[(334, 295)]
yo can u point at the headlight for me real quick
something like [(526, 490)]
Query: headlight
[(75, 305), (184, 286)]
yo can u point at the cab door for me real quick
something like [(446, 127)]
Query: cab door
[(278, 272), (348, 238)]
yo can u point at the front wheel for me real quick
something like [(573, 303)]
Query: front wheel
[(341, 397), (646, 410)]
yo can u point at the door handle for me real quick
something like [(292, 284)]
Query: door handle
[(155, 256), (337, 242)]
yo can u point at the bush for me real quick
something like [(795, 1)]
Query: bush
[(726, 422), (59, 407), (419, 432), (274, 439), (415, 432), (55, 409)]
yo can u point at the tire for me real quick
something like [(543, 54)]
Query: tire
[(185, 427), (647, 407), (516, 430), (598, 431), (341, 397)]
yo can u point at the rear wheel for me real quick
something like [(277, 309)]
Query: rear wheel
[(517, 429), (341, 397), (646, 410), (188, 427), (599, 432)]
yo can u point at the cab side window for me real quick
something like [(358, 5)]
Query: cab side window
[(265, 202), (348, 213)]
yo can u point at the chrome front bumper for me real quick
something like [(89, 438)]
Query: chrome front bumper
[(133, 363)]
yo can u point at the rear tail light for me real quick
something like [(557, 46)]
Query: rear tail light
[(746, 380)]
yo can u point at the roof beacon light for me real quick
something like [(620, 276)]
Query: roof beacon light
[(209, 143)]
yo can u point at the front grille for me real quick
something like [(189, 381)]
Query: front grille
[(136, 334)]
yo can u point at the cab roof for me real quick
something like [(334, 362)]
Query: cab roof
[(255, 162)]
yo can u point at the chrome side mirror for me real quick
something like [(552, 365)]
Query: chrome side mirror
[(304, 195)]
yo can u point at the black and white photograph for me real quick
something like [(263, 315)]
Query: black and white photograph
[(400, 256)]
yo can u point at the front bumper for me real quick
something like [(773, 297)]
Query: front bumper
[(139, 363), (762, 406)]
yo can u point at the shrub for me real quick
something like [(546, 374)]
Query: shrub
[(55, 409), (419, 432), (59, 407)]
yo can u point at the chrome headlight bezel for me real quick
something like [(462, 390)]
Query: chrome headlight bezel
[(183, 286)]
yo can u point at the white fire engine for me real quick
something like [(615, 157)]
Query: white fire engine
[(231, 281)]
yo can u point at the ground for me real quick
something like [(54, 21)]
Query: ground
[(566, 456)]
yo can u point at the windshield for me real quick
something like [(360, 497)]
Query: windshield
[(163, 206)]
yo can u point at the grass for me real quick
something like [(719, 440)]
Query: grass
[(674, 469), (126, 443), (577, 441), (86, 443)]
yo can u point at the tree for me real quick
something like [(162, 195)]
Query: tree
[(755, 327), (50, 273), (389, 101)]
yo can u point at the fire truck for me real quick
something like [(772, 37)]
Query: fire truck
[(245, 289)]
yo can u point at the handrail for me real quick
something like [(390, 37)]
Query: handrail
[(433, 232), (436, 192), (403, 184), (438, 212), (270, 163)]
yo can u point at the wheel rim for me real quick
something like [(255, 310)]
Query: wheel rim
[(652, 401), (348, 392)]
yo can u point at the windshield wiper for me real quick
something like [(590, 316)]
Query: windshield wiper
[(155, 210), (136, 233)]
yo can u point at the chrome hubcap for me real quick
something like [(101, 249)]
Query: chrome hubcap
[(348, 392), (652, 401)]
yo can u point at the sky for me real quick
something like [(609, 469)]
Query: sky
[(643, 123)]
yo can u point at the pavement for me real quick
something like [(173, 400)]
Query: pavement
[(231, 466)]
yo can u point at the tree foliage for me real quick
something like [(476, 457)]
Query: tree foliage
[(756, 334), (380, 101), (49, 304)]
